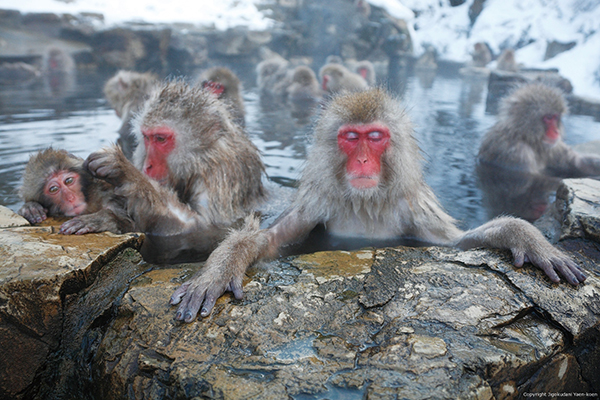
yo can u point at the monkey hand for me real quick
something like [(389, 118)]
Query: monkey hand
[(33, 212), (78, 226), (107, 164), (549, 259), (204, 289)]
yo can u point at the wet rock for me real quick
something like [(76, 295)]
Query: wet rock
[(378, 323), (38, 269), (8, 218), (578, 201), (554, 48), (501, 83)]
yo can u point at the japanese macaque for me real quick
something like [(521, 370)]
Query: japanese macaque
[(126, 92), (506, 61), (273, 76), (481, 55), (366, 69), (225, 84), (528, 136), (363, 179), (59, 71), (194, 174), (56, 184), (337, 78), (304, 92)]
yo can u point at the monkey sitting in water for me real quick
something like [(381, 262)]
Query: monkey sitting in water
[(363, 179), (56, 184), (528, 136)]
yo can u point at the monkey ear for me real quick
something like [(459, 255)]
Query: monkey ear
[(122, 84)]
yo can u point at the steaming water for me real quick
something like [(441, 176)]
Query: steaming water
[(448, 114)]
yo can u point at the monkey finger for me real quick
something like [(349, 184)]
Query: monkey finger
[(179, 293), (566, 272), (235, 286), (550, 272), (209, 302), (195, 300), (519, 257)]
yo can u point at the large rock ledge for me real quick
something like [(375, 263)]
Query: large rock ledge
[(377, 323)]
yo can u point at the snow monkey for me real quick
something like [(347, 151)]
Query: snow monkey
[(363, 178)]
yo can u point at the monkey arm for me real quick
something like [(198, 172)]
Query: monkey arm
[(567, 162), (226, 266), (155, 209), (33, 212), (526, 243)]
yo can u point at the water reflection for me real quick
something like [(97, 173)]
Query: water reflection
[(448, 113)]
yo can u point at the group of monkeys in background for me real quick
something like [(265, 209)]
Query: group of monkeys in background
[(187, 175)]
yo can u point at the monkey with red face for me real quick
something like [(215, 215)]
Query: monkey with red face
[(226, 86), (194, 174), (363, 179), (56, 184), (528, 136)]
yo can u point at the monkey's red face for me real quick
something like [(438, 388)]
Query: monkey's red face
[(214, 87), (159, 143), (551, 121), (63, 188), (364, 144)]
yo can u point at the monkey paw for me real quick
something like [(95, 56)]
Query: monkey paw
[(203, 290), (76, 226), (550, 260), (106, 164), (33, 212)]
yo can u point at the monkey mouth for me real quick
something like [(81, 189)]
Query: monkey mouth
[(76, 210), (364, 182)]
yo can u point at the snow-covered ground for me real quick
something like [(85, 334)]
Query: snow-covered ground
[(527, 24)]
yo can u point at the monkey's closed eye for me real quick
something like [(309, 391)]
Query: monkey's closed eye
[(351, 136), (375, 136)]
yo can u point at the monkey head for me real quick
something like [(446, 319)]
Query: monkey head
[(56, 180), (177, 125), (538, 109), (364, 147)]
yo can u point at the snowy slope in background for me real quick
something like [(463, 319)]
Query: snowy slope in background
[(524, 24)]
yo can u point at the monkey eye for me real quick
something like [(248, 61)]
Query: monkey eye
[(160, 139), (351, 136), (69, 180), (375, 136), (550, 117), (53, 189)]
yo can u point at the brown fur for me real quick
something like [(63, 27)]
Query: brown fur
[(481, 55), (126, 92), (215, 172), (516, 139), (341, 79), (304, 89), (401, 205), (506, 61), (104, 210), (232, 90)]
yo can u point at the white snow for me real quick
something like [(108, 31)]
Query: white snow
[(526, 24)]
